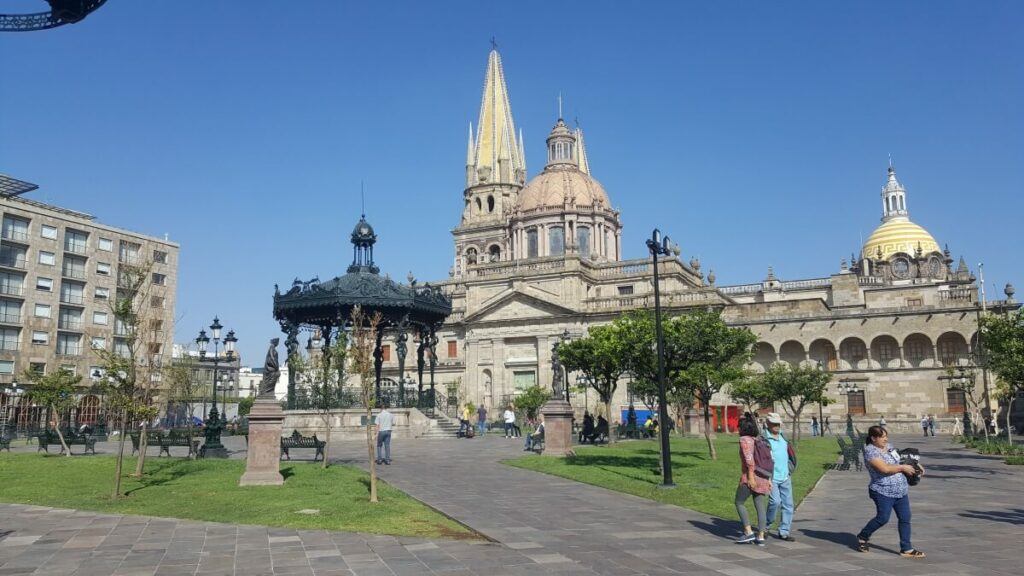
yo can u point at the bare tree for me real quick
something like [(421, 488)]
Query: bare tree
[(182, 387), (364, 341)]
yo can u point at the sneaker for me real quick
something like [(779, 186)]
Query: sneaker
[(786, 538), (377, 462), (387, 462), (746, 538), (760, 541)]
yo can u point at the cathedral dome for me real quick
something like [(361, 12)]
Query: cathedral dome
[(899, 235), (554, 188)]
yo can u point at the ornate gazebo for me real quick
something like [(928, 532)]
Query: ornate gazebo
[(323, 308)]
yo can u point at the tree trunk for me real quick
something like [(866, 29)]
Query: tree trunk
[(143, 443), (1009, 410), (63, 444), (608, 413), (369, 450), (119, 460), (707, 430), (327, 441)]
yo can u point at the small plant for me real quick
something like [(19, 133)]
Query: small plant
[(1015, 460)]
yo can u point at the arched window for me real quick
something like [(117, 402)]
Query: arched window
[(490, 203), (471, 255), (531, 243), (901, 203), (495, 253), (583, 241), (479, 205), (556, 241)]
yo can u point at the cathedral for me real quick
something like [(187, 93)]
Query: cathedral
[(539, 258)]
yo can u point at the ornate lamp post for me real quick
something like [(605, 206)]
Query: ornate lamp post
[(847, 387), (661, 246), (13, 393), (215, 421)]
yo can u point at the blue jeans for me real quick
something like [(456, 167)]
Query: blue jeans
[(814, 430), (482, 426), (884, 505), (384, 445), (508, 428), (781, 496)]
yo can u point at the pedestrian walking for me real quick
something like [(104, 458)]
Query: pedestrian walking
[(510, 421), (464, 424), (957, 429), (781, 494), (889, 490), (815, 426), (826, 428), (924, 424), (751, 485), (481, 419), (881, 421), (931, 424), (385, 421)]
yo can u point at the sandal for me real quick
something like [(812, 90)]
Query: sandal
[(862, 545), (913, 553)]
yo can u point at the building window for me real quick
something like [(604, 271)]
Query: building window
[(453, 349), (156, 302), (948, 352), (69, 369), (914, 302), (73, 267), (42, 311), (44, 284), (75, 241), (105, 244), (6, 366), (40, 337), (885, 352), (471, 255), (9, 338), (159, 279), (556, 241), (47, 258), (15, 229), (626, 290), (122, 350), (98, 343), (385, 353), (99, 318), (69, 344), (956, 400), (10, 311), (583, 241), (49, 232), (156, 325), (69, 319), (13, 284), (531, 243), (37, 367), (129, 252), (103, 268), (72, 293), (102, 293), (855, 403), (13, 257), (159, 256), (524, 379)]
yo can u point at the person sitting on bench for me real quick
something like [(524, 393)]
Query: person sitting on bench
[(587, 433), (601, 431), (535, 437)]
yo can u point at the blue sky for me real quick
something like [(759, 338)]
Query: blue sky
[(754, 133)]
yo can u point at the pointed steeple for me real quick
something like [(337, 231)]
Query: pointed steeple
[(894, 197), (497, 157), (581, 152)]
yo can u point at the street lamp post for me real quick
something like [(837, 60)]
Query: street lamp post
[(847, 387), (658, 245), (13, 393), (216, 421)]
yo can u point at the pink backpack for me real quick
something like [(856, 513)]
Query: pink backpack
[(764, 464)]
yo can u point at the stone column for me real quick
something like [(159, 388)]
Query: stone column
[(263, 460), (557, 427)]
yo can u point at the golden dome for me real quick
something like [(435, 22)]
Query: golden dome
[(899, 235), (554, 187)]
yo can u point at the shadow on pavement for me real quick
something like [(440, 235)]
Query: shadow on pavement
[(719, 527), (847, 539), (1014, 516)]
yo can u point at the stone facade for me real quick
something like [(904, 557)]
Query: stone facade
[(892, 320)]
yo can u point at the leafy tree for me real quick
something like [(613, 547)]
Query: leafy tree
[(706, 354), (795, 388), (364, 341), (55, 391), (601, 357), (749, 392), (531, 399), (182, 389), (245, 405), (323, 377), (1003, 338)]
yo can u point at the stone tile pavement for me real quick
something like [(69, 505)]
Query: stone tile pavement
[(969, 518)]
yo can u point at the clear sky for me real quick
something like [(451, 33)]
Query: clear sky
[(754, 133)]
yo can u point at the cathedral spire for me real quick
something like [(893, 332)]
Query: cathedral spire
[(894, 197), (496, 156), (581, 152)]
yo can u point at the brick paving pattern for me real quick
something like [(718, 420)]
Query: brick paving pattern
[(968, 518)]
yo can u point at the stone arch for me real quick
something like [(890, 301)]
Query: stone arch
[(853, 354), (494, 253), (918, 351), (824, 352), (885, 351), (490, 203), (952, 349), (793, 353), (479, 205), (472, 255), (764, 356), (487, 388)]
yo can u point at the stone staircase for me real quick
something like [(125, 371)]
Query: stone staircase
[(442, 427)]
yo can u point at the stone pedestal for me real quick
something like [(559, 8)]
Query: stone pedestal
[(691, 422), (263, 463), (557, 427)]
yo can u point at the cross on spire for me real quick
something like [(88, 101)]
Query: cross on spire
[(559, 105), (494, 45)]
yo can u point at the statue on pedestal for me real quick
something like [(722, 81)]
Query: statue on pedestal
[(271, 370)]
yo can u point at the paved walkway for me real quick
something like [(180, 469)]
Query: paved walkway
[(969, 519)]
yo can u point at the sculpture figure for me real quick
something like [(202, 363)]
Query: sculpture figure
[(271, 370)]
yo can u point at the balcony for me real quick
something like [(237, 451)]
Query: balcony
[(76, 299), (9, 318), (75, 248), (8, 346), (68, 324), (15, 235), (69, 351), (14, 262), (12, 290), (73, 273)]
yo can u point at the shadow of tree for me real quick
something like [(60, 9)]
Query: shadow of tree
[(841, 538), (163, 473), (287, 472), (1014, 516), (959, 468)]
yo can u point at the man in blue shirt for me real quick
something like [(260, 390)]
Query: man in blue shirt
[(782, 484)]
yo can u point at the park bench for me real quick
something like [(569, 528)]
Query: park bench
[(177, 438), (5, 442), (850, 453), (297, 440), (87, 441), (538, 443)]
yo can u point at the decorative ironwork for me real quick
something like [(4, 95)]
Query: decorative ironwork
[(61, 12)]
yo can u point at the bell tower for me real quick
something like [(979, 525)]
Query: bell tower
[(495, 173)]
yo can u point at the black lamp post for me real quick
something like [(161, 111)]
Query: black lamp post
[(216, 421), (847, 387), (13, 393), (661, 246)]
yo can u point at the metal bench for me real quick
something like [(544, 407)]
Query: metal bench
[(850, 453), (85, 440), (297, 440), (5, 442), (177, 438)]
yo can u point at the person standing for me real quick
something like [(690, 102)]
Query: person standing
[(888, 489), (881, 421), (481, 419), (385, 421), (815, 427), (957, 429), (510, 421), (826, 428), (924, 424), (781, 495), (751, 485), (464, 424), (931, 424)]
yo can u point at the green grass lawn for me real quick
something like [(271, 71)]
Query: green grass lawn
[(702, 484), (208, 490)]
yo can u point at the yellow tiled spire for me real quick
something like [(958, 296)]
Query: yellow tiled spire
[(497, 157)]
